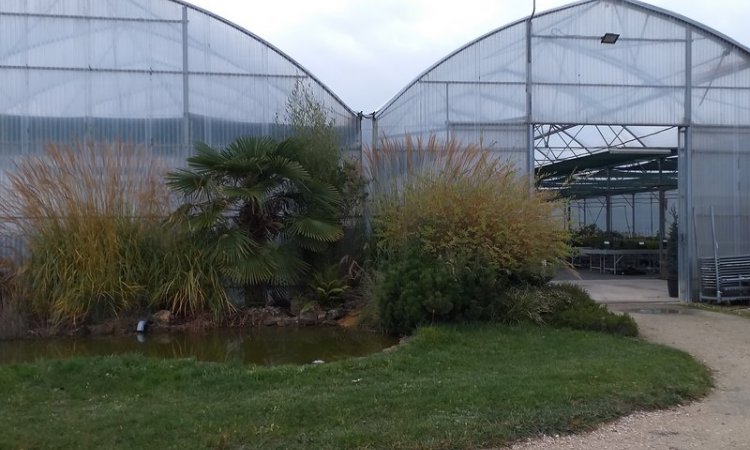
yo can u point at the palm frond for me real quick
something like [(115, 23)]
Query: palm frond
[(322, 194), (315, 229), (188, 182), (249, 148), (206, 158), (208, 215), (290, 267), (232, 246), (254, 269), (286, 168), (256, 193), (310, 245)]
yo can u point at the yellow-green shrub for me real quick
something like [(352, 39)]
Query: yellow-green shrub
[(458, 201)]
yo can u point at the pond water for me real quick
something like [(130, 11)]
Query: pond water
[(263, 346)]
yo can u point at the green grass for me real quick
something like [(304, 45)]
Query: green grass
[(450, 387)]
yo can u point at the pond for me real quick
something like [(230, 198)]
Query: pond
[(262, 346)]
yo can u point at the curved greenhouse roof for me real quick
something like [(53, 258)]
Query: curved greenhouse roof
[(574, 78), (161, 73)]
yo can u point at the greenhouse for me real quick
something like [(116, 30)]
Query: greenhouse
[(158, 73), (627, 110), (624, 108)]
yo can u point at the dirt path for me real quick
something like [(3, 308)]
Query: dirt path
[(720, 421)]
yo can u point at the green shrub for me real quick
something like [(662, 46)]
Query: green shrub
[(456, 233), (572, 307), (328, 286), (420, 289)]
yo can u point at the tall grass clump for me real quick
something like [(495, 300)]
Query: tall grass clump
[(91, 219), (465, 226), (12, 322)]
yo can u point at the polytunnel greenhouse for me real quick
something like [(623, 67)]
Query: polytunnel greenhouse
[(612, 103), (625, 109), (158, 73)]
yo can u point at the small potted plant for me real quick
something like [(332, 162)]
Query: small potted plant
[(671, 259)]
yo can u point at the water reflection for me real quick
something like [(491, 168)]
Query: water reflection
[(264, 346)]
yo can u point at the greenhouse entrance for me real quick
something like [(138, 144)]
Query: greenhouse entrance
[(620, 185)]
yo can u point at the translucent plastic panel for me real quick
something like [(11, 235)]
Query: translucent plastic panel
[(54, 93), (486, 103), (238, 98), (128, 95), (14, 94), (219, 48), (506, 142), (595, 18), (717, 63), (721, 82), (575, 60), (721, 106), (131, 9), (500, 57), (421, 111), (720, 164), (608, 105), (90, 43), (503, 55)]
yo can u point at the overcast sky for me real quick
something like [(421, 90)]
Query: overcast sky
[(366, 51)]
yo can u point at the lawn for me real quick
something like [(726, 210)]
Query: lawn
[(449, 387)]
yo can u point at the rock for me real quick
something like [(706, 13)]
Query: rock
[(286, 322), (335, 314), (308, 318), (105, 329), (162, 318)]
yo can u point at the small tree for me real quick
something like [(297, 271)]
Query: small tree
[(257, 209), (671, 260), (310, 124)]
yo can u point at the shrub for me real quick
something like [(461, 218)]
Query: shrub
[(328, 286), (672, 264), (419, 289), (320, 154), (459, 202), (572, 307)]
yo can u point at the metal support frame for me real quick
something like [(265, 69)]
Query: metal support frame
[(530, 157), (185, 82), (686, 241), (609, 203)]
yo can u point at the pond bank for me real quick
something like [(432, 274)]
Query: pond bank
[(166, 322)]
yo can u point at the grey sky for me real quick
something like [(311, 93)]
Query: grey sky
[(366, 50)]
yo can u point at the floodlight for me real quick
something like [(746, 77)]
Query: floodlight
[(610, 38)]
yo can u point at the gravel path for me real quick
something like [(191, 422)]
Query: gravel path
[(720, 421)]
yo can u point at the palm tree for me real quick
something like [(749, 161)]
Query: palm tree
[(257, 210)]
